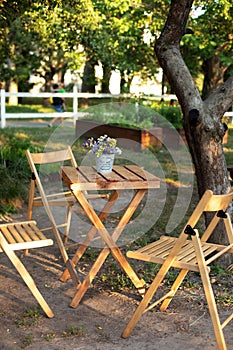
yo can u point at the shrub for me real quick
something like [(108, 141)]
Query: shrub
[(172, 114), (14, 169)]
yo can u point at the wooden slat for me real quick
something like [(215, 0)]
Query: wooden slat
[(15, 233), (32, 236), (191, 257), (219, 202), (40, 235), (142, 173), (159, 250), (23, 232), (207, 250), (160, 260), (126, 174), (89, 173), (86, 178), (51, 157), (24, 235), (104, 185), (69, 173), (159, 247), (10, 239), (113, 176), (31, 245)]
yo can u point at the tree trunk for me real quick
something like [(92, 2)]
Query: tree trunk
[(88, 80), (201, 119), (106, 78), (13, 87), (124, 86), (213, 75), (122, 83), (48, 76)]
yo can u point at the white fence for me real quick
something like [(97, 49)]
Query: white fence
[(74, 95)]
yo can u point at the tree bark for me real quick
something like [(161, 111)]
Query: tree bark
[(88, 80), (106, 79), (202, 119), (13, 87), (213, 75)]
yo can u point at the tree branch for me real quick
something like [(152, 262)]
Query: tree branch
[(221, 100), (167, 49)]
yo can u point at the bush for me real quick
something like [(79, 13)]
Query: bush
[(172, 114), (14, 169)]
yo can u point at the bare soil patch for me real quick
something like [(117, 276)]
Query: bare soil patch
[(99, 320)]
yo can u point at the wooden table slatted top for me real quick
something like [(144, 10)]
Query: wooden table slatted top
[(122, 177)]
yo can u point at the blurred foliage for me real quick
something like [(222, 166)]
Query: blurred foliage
[(14, 169)]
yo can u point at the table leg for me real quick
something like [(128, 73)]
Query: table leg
[(111, 244), (83, 246), (82, 288)]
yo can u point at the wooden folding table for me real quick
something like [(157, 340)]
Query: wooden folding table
[(122, 178)]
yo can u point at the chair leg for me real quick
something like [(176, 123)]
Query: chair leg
[(30, 199), (154, 286), (204, 272), (174, 289), (142, 307), (30, 206), (29, 281), (68, 221)]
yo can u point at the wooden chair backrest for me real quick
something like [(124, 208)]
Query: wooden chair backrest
[(211, 203), (46, 158), (52, 157)]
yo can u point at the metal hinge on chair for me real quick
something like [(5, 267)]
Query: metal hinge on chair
[(33, 177), (189, 230), (221, 214)]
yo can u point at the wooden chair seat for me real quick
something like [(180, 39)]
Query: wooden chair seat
[(24, 235), (158, 251)]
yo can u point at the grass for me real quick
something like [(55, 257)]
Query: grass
[(70, 331), (74, 331), (26, 341), (30, 318)]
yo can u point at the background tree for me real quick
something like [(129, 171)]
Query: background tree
[(44, 38), (58, 32), (211, 45), (118, 42), (17, 59), (202, 119)]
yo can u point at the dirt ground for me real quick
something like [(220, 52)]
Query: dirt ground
[(99, 320)]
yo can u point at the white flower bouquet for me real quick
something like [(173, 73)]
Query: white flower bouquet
[(103, 145)]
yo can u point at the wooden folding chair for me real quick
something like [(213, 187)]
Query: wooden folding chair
[(24, 235), (47, 201), (188, 252), (63, 199)]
